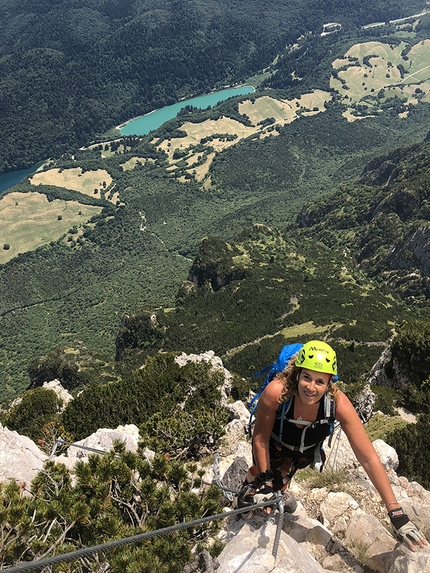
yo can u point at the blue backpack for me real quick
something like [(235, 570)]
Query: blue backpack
[(272, 370)]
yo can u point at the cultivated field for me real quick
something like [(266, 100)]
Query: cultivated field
[(368, 68), (216, 131), (284, 111), (134, 162), (29, 220), (92, 183)]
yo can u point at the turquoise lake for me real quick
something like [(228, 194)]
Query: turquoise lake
[(10, 179), (145, 123)]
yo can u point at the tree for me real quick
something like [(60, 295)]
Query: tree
[(36, 408)]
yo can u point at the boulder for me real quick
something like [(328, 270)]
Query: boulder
[(102, 441), (335, 509), (250, 551), (418, 562), (238, 411), (387, 455), (20, 458), (369, 539)]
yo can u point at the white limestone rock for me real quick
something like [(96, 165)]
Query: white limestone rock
[(387, 455), (336, 507), (366, 532), (250, 551), (61, 392), (334, 563), (377, 374), (364, 403), (418, 562), (20, 458), (234, 442), (238, 411), (101, 440), (216, 363), (304, 529)]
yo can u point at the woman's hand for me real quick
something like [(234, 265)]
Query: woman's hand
[(405, 529)]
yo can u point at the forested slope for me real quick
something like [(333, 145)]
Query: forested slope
[(79, 287), (383, 221), (71, 71)]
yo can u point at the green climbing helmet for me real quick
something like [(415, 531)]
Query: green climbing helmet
[(319, 356)]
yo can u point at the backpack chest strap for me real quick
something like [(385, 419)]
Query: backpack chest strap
[(307, 425)]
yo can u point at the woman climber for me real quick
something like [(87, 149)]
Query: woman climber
[(295, 414)]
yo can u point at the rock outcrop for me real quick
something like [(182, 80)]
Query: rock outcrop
[(101, 441), (20, 458), (215, 363), (59, 389)]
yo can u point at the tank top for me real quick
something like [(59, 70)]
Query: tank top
[(292, 436)]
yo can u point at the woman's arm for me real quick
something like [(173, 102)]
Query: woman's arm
[(364, 450), (368, 458)]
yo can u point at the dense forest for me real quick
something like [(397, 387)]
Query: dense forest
[(72, 71)]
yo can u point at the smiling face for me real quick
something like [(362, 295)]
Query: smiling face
[(312, 385)]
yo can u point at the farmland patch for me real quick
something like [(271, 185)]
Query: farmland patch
[(29, 220), (93, 183)]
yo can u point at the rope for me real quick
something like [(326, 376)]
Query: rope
[(66, 557), (334, 450)]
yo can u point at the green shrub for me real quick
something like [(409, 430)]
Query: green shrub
[(158, 387), (412, 444), (37, 408), (185, 435), (113, 496)]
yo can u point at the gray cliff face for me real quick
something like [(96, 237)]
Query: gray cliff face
[(364, 404), (420, 246)]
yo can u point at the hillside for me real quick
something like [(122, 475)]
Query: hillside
[(246, 299), (78, 286), (116, 226), (105, 62), (383, 222)]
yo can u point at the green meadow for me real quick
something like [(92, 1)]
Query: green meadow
[(29, 220)]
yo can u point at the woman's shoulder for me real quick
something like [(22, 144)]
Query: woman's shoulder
[(344, 407), (274, 389)]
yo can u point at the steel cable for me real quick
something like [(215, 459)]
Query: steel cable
[(66, 557)]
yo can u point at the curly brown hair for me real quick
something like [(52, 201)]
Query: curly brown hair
[(290, 377)]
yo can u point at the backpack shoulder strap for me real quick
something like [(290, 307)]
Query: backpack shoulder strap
[(287, 352), (328, 418)]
